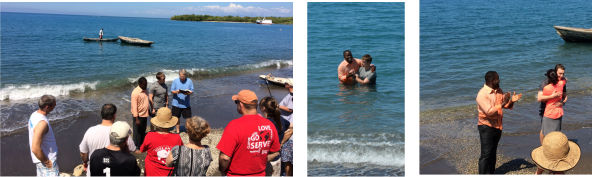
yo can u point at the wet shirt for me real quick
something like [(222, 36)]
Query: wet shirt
[(159, 92), (363, 74), (248, 140), (551, 110), (486, 100), (105, 162), (158, 147), (343, 69), (140, 103)]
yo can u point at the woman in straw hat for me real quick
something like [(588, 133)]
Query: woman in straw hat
[(557, 154), (159, 143), (192, 159)]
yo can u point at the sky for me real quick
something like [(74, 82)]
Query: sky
[(152, 9)]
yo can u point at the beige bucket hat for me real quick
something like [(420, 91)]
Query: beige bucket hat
[(164, 118), (556, 153)]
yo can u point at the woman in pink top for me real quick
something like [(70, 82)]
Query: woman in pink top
[(552, 96)]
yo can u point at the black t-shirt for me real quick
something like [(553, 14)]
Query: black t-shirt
[(117, 163)]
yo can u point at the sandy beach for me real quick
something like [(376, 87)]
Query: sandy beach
[(456, 149)]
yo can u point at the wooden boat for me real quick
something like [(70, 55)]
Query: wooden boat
[(134, 41), (101, 40), (570, 34), (280, 81)]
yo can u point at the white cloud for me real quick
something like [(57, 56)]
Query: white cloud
[(236, 10)]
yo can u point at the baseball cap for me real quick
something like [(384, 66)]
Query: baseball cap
[(246, 96), (120, 130)]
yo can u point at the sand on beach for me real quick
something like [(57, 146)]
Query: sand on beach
[(456, 148)]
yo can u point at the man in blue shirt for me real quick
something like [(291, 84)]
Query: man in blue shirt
[(181, 89)]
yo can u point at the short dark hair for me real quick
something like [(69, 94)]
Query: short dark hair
[(367, 57), (559, 66), (46, 100), (142, 81), (346, 51), (108, 111), (490, 77), (159, 75)]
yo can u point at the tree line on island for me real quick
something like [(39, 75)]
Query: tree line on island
[(193, 17)]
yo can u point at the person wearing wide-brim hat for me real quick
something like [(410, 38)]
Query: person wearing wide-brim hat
[(159, 143), (557, 154)]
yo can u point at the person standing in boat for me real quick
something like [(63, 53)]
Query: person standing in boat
[(101, 33)]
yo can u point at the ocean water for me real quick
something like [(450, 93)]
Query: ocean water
[(355, 130), (45, 54), (461, 40)]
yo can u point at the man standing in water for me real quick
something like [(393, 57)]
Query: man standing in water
[(101, 33), (491, 101), (366, 75), (181, 89), (348, 69), (42, 143)]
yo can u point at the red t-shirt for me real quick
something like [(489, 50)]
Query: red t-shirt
[(158, 147), (247, 140)]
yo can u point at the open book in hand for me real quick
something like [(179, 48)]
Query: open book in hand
[(184, 91)]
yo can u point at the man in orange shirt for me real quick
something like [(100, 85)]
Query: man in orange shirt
[(349, 68), (140, 107), (491, 101)]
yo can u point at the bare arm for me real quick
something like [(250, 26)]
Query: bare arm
[(286, 109), (272, 156), (287, 134), (223, 163), (169, 162), (85, 159), (543, 98), (360, 81), (40, 129)]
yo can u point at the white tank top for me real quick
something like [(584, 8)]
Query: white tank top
[(48, 144)]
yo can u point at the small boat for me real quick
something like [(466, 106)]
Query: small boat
[(134, 41), (100, 40), (263, 21), (276, 80), (570, 34)]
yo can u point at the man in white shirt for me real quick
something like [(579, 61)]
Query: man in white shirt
[(44, 150), (97, 137)]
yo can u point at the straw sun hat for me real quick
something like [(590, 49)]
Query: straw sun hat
[(164, 118), (556, 153)]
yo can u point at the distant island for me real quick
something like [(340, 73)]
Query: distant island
[(193, 17)]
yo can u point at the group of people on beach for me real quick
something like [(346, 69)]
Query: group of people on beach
[(353, 70), (556, 154), (254, 144)]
